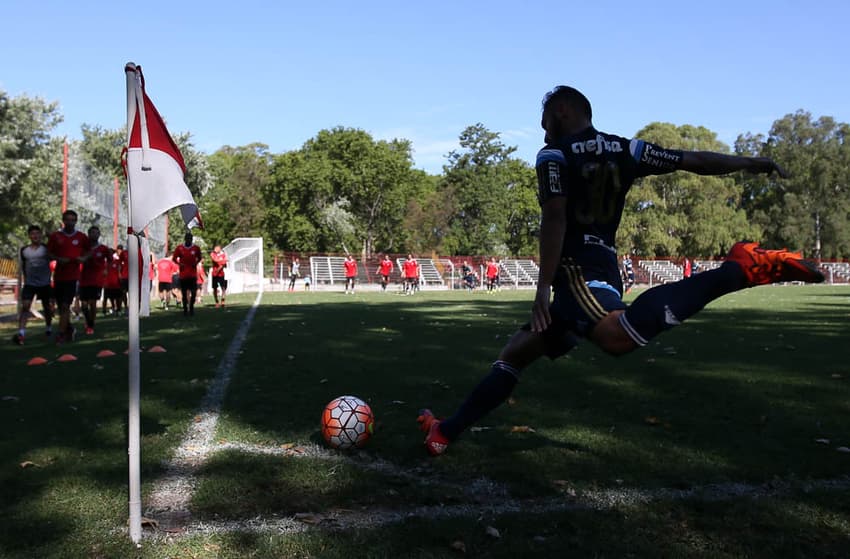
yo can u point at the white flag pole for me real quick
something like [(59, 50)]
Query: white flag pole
[(134, 103)]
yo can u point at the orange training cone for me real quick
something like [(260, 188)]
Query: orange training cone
[(66, 357), (37, 361), (105, 353), (157, 349)]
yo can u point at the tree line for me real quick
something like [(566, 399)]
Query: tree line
[(344, 191)]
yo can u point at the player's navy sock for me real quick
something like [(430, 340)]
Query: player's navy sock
[(666, 306), (490, 392)]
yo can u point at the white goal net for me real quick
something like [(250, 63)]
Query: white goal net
[(244, 272)]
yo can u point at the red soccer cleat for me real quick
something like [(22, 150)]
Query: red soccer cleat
[(762, 266), (435, 442)]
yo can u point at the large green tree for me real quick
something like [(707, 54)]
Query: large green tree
[(30, 168), (809, 211), (493, 196), (683, 214), (342, 191), (233, 207)]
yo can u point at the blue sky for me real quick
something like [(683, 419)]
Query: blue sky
[(232, 73)]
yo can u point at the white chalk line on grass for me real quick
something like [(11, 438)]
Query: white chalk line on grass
[(169, 500), (485, 498)]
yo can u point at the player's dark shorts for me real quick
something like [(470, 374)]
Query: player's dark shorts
[(113, 293), (90, 292), (65, 291), (30, 292), (577, 307), (385, 279), (189, 284), (165, 286), (219, 281), (175, 280), (125, 284)]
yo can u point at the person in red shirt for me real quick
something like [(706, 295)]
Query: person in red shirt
[(123, 276), (492, 274), (69, 248), (112, 286), (350, 273), (202, 282), (164, 268), (93, 277), (219, 263), (411, 275), (385, 268), (187, 256)]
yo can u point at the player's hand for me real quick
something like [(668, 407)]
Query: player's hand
[(770, 166), (540, 318)]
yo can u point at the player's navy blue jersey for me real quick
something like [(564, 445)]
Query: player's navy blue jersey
[(595, 170)]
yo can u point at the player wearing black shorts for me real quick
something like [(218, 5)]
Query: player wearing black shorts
[(35, 267), (583, 176)]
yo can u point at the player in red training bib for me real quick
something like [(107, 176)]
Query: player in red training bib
[(187, 256), (93, 277), (385, 268), (219, 263), (350, 273), (69, 248)]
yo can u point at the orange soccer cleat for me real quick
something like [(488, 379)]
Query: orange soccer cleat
[(762, 266), (435, 442)]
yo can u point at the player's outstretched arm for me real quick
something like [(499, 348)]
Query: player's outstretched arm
[(712, 163)]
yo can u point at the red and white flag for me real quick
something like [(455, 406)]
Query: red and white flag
[(153, 163)]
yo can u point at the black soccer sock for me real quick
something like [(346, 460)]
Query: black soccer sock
[(490, 392), (666, 306)]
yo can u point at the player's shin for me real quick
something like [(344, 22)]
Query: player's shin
[(493, 389), (665, 306)]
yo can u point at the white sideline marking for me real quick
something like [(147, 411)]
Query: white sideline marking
[(169, 499)]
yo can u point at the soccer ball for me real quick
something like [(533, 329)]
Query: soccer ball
[(347, 422)]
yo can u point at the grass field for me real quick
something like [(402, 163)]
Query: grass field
[(726, 437)]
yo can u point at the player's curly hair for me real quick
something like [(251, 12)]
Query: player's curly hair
[(570, 95)]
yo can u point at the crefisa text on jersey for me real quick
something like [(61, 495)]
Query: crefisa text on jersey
[(597, 146)]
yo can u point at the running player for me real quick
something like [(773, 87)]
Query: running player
[(69, 248), (219, 263), (35, 267), (93, 277), (385, 268), (187, 256)]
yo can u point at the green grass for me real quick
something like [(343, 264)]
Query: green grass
[(740, 393)]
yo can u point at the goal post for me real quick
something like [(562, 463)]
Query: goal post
[(244, 272)]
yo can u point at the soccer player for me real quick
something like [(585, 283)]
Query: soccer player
[(202, 283), (93, 277), (112, 288), (69, 248), (164, 268), (219, 263), (411, 274), (123, 276), (294, 272), (187, 256), (492, 274), (350, 273), (35, 267), (385, 268), (628, 272), (583, 176)]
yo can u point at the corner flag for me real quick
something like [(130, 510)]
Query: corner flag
[(154, 165)]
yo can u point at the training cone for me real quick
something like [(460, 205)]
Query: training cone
[(105, 353), (157, 349), (37, 361), (66, 357)]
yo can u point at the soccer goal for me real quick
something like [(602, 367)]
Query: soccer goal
[(244, 272)]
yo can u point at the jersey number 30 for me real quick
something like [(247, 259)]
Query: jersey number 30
[(602, 184)]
